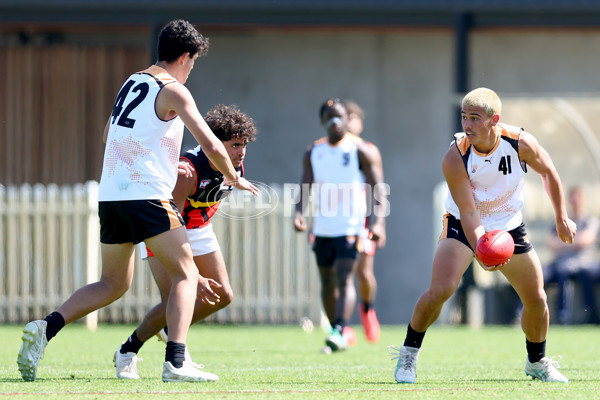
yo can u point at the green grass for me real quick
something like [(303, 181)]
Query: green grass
[(283, 362)]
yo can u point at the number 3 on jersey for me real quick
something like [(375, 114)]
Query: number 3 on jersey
[(505, 165), (124, 119)]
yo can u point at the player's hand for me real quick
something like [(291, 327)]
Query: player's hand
[(300, 223), (377, 234), (206, 294), (184, 169), (242, 184), (566, 230), (493, 267)]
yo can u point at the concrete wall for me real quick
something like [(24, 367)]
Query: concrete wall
[(404, 80)]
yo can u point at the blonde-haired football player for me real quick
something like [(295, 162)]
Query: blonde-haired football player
[(484, 170)]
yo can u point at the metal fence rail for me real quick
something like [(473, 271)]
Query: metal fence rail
[(49, 247)]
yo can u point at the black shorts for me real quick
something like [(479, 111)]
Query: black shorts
[(453, 230), (133, 221), (329, 249)]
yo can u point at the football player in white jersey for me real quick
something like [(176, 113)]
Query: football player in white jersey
[(198, 195), (365, 266), (484, 170), (143, 140), (335, 168)]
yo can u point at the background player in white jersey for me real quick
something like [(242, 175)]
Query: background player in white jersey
[(143, 140), (198, 195), (484, 169), (365, 265), (333, 167)]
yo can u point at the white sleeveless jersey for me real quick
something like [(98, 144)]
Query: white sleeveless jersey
[(496, 180), (142, 151), (339, 187)]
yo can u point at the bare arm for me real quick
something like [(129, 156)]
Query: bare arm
[(305, 185), (460, 188), (175, 98), (185, 186), (372, 166), (539, 160)]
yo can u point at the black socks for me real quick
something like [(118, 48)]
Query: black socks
[(535, 351), (132, 345), (339, 324), (413, 338), (175, 354), (55, 323)]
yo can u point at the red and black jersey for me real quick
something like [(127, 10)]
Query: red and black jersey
[(203, 204)]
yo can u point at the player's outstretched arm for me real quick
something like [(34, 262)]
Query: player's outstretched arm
[(242, 184), (177, 98), (307, 180), (539, 160)]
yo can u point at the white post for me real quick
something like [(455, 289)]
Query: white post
[(92, 246), (475, 306), (24, 243)]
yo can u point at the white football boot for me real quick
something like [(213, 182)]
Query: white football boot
[(545, 370), (336, 341), (126, 364), (162, 336), (187, 373), (406, 367), (32, 349)]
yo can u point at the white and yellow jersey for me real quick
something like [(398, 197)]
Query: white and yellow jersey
[(496, 180), (142, 151), (339, 186)]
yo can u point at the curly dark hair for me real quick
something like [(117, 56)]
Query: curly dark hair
[(228, 122), (179, 37), (329, 103)]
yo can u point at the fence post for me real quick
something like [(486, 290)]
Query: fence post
[(92, 246), (40, 302), (3, 252)]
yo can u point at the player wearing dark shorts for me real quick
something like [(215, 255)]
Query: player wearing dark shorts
[(336, 167), (484, 169), (198, 194), (329, 249), (453, 230), (136, 220), (143, 137)]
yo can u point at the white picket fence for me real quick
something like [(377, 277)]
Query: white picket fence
[(49, 247)]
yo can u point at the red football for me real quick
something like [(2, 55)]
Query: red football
[(495, 247)]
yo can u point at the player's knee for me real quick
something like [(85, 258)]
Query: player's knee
[(185, 277), (344, 273), (536, 303), (362, 274), (328, 283), (226, 296), (441, 292), (115, 288)]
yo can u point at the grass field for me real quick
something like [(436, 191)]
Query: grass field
[(283, 362)]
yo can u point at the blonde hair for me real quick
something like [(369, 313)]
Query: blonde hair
[(484, 98)]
